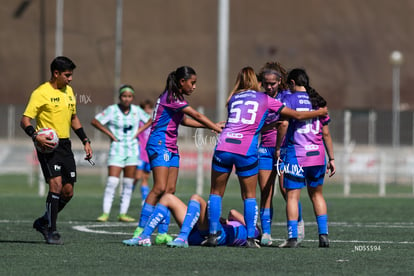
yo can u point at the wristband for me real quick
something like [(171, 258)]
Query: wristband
[(331, 159), (81, 134), (86, 140), (29, 130)]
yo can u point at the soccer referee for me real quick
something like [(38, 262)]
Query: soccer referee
[(53, 105)]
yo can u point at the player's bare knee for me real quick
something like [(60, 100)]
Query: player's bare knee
[(166, 199), (196, 197)]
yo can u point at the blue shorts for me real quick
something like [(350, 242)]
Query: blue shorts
[(266, 158), (297, 177), (162, 157), (245, 165), (197, 236), (144, 166)]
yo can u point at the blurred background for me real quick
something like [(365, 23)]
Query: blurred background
[(358, 55)]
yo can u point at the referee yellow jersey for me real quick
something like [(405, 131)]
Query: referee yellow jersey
[(52, 108)]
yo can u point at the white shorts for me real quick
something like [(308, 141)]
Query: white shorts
[(122, 161)]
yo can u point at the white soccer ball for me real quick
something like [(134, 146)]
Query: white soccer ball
[(51, 135)]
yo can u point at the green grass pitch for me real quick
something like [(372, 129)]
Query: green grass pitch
[(369, 236)]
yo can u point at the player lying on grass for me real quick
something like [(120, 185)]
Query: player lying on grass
[(192, 220)]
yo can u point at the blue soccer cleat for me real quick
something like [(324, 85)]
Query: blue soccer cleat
[(178, 242), (138, 241)]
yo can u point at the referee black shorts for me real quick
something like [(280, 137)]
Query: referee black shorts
[(60, 162)]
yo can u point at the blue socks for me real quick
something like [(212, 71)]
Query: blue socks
[(292, 227), (266, 219), (164, 224), (250, 216), (214, 212), (159, 214), (146, 212), (191, 218), (144, 192), (322, 221)]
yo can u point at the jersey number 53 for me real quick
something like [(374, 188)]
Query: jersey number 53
[(248, 118)]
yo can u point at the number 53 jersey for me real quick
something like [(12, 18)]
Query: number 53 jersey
[(247, 112), (304, 138)]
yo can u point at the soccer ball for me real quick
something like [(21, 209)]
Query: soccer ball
[(51, 135)]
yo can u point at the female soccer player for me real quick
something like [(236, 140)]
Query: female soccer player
[(171, 110), (143, 169), (237, 146), (120, 122), (303, 153), (273, 79), (193, 223)]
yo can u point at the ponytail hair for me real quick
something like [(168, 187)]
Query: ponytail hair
[(301, 78), (173, 85)]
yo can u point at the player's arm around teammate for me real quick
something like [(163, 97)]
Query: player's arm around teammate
[(170, 111)]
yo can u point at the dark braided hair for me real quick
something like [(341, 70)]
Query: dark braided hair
[(173, 82), (301, 78)]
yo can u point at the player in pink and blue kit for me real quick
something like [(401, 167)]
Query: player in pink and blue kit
[(144, 168), (171, 110), (273, 79), (303, 153), (193, 223), (238, 146)]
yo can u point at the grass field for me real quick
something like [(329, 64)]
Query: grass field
[(369, 236)]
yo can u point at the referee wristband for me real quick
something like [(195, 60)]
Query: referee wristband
[(81, 134), (30, 130), (86, 140)]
